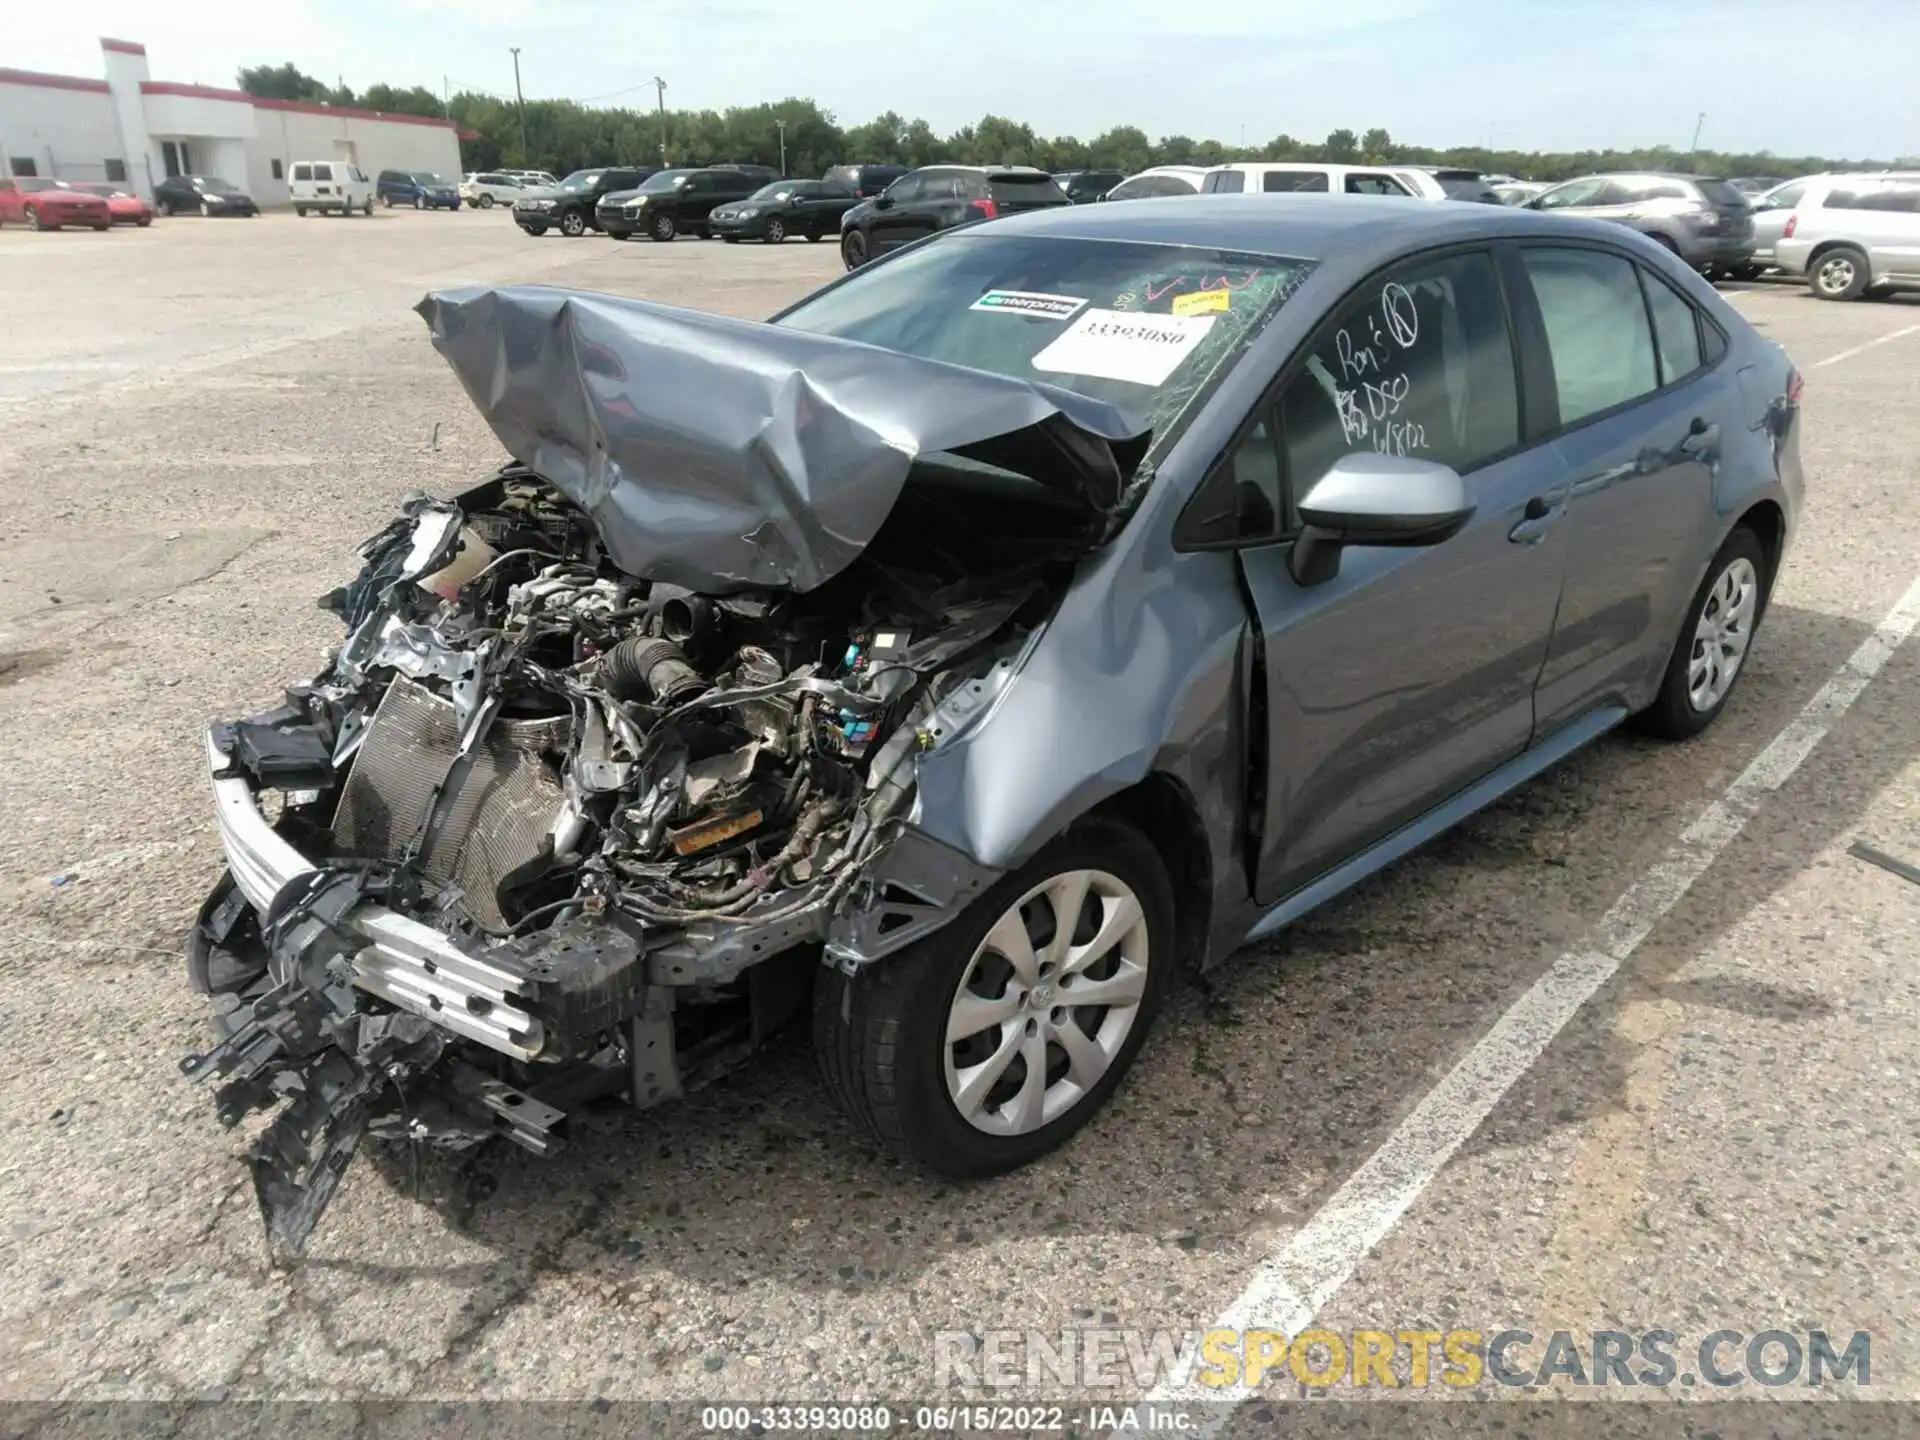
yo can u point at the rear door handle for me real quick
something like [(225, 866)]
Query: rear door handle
[(1703, 438)]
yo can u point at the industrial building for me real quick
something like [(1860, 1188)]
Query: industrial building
[(129, 128)]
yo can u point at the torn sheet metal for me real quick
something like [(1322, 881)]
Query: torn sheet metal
[(722, 454)]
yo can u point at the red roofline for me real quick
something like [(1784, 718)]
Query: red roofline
[(299, 107), (53, 82), (306, 107), (125, 47)]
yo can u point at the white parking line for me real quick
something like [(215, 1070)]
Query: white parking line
[(1862, 349), (1299, 1276)]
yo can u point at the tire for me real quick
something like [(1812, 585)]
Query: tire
[(33, 220), (1699, 682), (102, 229), (366, 206), (853, 249), (170, 209), (814, 237), (880, 1036), (206, 210), (419, 202), (573, 224), (1838, 274), (485, 202), (299, 210), (144, 221), (776, 231), (663, 228), (535, 230), (731, 239), (386, 202)]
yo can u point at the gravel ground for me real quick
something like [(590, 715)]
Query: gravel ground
[(1725, 1136)]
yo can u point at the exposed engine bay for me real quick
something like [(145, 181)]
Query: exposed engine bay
[(546, 831)]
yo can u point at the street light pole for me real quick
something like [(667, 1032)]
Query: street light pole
[(521, 102), (781, 126), (660, 89), (1696, 133)]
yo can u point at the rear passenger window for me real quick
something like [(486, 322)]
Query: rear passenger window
[(1225, 182), (1418, 365), (1597, 331), (1373, 185), (1293, 181), (1676, 332)]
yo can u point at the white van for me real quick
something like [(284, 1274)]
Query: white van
[(1294, 177), (329, 185)]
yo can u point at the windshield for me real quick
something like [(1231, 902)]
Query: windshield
[(779, 190), (29, 185), (665, 180), (1142, 326), (214, 184), (581, 180)]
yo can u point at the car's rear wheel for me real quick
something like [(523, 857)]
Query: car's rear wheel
[(206, 208), (33, 219), (1715, 640), (776, 231), (1839, 274), (485, 202), (853, 249), (573, 224), (663, 228), (990, 1042)]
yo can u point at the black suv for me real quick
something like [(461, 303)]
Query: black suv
[(672, 201), (866, 181), (1083, 186), (570, 205), (939, 198)]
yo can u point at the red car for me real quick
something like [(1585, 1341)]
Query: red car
[(47, 205), (123, 205)]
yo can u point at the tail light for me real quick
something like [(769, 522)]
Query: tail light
[(988, 209), (1795, 384), (1793, 223)]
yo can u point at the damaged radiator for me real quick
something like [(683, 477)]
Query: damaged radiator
[(499, 802)]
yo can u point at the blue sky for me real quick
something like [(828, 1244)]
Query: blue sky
[(1537, 74)]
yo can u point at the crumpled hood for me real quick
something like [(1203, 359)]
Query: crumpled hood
[(722, 454)]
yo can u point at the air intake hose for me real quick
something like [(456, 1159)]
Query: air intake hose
[(646, 666)]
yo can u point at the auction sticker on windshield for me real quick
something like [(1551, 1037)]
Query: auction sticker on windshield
[(1029, 302), (1125, 345)]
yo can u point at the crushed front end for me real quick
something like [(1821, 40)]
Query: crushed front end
[(541, 831)]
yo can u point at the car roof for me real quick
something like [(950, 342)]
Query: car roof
[(1354, 232)]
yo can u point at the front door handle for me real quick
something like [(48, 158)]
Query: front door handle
[(1534, 521)]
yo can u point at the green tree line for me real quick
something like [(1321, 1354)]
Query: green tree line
[(564, 135)]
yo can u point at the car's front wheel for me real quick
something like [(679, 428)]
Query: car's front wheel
[(989, 1043), (664, 227), (485, 202), (853, 249), (1840, 274), (1715, 639), (776, 231), (573, 224)]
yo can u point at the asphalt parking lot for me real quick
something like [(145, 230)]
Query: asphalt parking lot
[(198, 422)]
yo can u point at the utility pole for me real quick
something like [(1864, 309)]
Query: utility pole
[(1696, 133), (446, 97), (660, 89), (781, 126), (521, 101)]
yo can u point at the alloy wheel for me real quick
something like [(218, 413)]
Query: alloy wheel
[(573, 224), (1046, 1002), (776, 232), (663, 227), (1722, 635), (486, 202), (1835, 274)]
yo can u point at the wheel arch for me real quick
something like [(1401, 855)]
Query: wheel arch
[(1825, 248), (1768, 521), (1163, 809)]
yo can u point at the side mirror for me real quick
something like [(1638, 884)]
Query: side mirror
[(1369, 499), (883, 202)]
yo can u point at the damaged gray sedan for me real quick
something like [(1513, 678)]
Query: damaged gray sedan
[(955, 657)]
